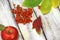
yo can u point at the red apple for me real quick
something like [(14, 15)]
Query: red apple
[(9, 33)]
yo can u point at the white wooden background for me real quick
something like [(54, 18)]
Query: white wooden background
[(51, 22)]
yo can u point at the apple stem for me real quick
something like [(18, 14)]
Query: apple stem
[(41, 27), (9, 32)]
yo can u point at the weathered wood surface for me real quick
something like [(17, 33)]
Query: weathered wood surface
[(51, 22)]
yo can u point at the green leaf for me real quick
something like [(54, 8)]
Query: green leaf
[(31, 3), (46, 6), (59, 2), (1, 27)]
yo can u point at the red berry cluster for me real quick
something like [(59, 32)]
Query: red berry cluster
[(22, 15)]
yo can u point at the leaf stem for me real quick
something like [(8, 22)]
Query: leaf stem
[(58, 8)]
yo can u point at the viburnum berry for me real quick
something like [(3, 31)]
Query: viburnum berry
[(22, 15)]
